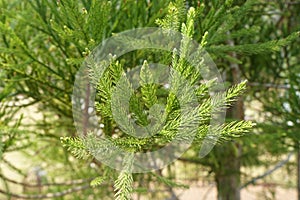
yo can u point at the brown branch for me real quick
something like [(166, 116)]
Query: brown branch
[(292, 3), (73, 182), (188, 160), (268, 172), (270, 85), (10, 165), (86, 109), (48, 195)]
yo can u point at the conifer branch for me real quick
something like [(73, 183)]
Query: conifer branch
[(76, 146), (124, 183), (148, 86)]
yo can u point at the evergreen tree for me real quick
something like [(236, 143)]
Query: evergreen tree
[(43, 44), (109, 84)]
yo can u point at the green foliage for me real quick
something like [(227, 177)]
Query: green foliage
[(97, 181), (76, 146), (175, 15), (262, 48), (43, 43), (148, 89), (104, 87), (276, 84), (114, 84), (123, 186)]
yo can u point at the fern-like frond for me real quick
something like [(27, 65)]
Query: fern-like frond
[(123, 185), (236, 128), (233, 92), (97, 181), (148, 87), (76, 146), (175, 15)]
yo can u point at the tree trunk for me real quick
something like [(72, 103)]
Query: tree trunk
[(298, 172), (227, 174)]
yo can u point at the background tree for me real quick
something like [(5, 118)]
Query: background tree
[(280, 81), (234, 54)]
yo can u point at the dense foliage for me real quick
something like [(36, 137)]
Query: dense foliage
[(44, 43)]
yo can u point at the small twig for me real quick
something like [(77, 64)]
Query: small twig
[(10, 165), (277, 166), (48, 195), (292, 3), (73, 182), (270, 85)]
